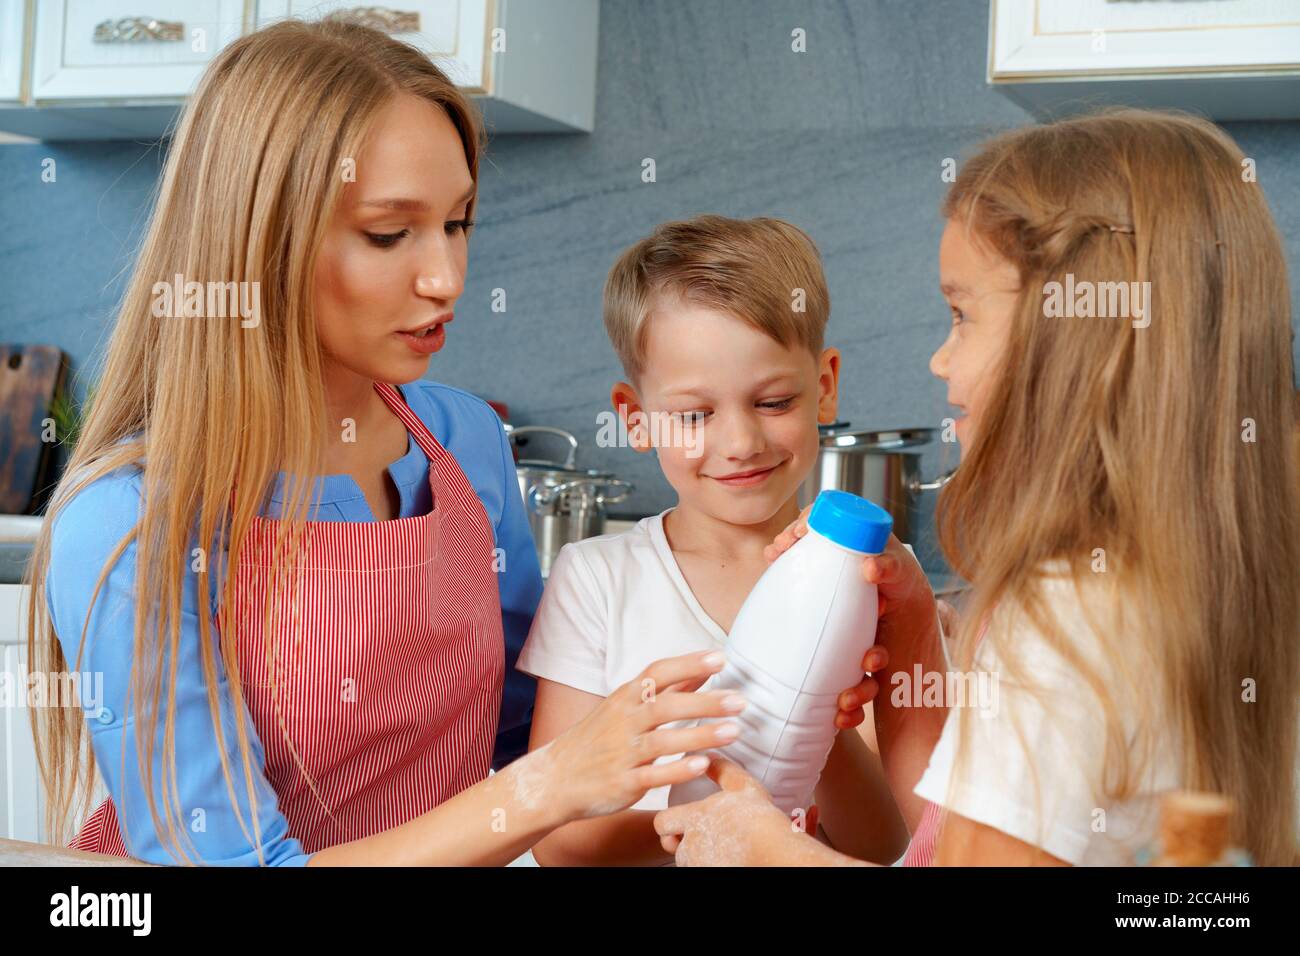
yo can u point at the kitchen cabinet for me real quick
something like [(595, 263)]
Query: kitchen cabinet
[(1228, 59), (117, 69), (22, 804), (530, 64), (11, 51), (22, 798)]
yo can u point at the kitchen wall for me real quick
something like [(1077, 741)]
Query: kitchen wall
[(845, 140)]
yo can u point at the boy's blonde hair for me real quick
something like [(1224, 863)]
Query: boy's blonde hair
[(764, 271)]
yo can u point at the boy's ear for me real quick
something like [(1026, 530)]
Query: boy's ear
[(628, 406), (828, 386)]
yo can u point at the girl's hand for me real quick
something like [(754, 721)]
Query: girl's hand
[(738, 826), (605, 762), (900, 584)]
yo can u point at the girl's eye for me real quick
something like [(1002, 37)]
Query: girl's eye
[(958, 316), (387, 240), (779, 406), (459, 225)]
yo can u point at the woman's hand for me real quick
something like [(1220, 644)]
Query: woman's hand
[(738, 826), (605, 762)]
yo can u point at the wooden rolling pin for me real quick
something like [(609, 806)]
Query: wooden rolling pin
[(20, 853)]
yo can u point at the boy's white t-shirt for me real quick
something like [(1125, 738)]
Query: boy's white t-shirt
[(612, 605), (1046, 788)]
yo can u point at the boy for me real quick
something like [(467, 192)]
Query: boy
[(719, 325)]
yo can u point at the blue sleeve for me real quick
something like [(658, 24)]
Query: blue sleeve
[(84, 535), (521, 590)]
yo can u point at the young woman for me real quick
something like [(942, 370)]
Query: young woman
[(327, 688), (1126, 511)]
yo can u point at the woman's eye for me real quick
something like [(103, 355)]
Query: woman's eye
[(387, 240), (459, 225), (779, 406)]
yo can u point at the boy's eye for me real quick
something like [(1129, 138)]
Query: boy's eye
[(459, 225), (691, 418), (387, 240), (778, 405)]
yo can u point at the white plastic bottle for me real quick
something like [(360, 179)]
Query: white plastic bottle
[(796, 644)]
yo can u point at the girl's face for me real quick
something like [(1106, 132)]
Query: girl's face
[(981, 288), (393, 257)]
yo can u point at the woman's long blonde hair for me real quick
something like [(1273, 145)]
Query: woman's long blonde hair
[(252, 178), (1172, 447)]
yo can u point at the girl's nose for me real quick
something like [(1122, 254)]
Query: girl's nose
[(939, 360)]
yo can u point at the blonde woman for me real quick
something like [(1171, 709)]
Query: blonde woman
[(285, 687), (1126, 510)]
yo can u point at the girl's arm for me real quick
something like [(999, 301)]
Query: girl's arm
[(856, 807), (626, 838)]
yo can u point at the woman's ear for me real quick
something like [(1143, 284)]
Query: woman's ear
[(628, 406), (828, 386)]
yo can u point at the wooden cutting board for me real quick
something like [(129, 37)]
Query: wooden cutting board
[(31, 376)]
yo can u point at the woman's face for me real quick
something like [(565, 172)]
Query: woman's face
[(393, 257), (981, 289)]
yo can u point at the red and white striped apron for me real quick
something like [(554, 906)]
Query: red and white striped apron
[(389, 687)]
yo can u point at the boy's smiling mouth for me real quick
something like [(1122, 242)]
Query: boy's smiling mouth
[(753, 476)]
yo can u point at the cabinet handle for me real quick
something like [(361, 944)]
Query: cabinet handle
[(379, 18), (138, 30)]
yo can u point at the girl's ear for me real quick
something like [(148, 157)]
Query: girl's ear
[(628, 406), (828, 386)]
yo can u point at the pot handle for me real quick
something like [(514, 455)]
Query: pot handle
[(918, 486), (603, 499), (544, 495), (572, 456)]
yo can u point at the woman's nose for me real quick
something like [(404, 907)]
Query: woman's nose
[(442, 276)]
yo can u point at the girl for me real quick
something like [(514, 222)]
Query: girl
[(1126, 511), (328, 174)]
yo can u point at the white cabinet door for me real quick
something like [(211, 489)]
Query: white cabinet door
[(128, 50), (454, 33), (21, 801), (11, 50)]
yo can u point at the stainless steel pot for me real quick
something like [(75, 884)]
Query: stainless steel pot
[(882, 466), (564, 503)]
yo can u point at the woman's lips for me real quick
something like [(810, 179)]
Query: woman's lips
[(745, 479), (428, 344)]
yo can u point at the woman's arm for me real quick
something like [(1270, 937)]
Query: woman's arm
[(602, 764), (626, 838), (520, 586), (84, 535)]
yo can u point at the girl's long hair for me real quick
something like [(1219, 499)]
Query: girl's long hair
[(1165, 455), (252, 178)]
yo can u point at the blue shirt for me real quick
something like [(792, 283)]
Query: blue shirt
[(90, 526)]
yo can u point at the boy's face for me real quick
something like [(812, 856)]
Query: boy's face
[(732, 413)]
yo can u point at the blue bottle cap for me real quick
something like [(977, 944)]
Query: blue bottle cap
[(851, 522)]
